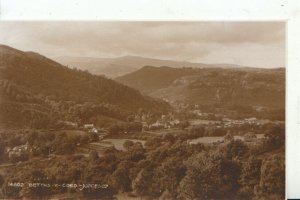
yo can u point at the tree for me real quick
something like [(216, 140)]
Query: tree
[(93, 137), (272, 181), (218, 132), (144, 183), (169, 138), (198, 131), (250, 136), (116, 129), (128, 144), (130, 118), (236, 149), (132, 127), (209, 176), (184, 124), (250, 174), (120, 179), (170, 173), (93, 156), (2, 148), (275, 138), (2, 180), (250, 177), (136, 152), (228, 137), (84, 139)]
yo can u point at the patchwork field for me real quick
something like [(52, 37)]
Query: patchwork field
[(209, 140)]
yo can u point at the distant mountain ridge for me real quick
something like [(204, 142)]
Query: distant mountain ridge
[(119, 66)]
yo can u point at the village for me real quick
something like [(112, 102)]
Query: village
[(164, 124)]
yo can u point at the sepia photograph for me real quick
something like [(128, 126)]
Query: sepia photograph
[(131, 110)]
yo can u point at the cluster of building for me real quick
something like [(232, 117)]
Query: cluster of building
[(164, 122), (164, 125), (233, 122), (18, 151), (92, 129)]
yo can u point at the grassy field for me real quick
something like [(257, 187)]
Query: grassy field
[(72, 132), (118, 143), (209, 140), (104, 144)]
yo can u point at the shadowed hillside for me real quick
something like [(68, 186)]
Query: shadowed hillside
[(30, 78), (238, 86)]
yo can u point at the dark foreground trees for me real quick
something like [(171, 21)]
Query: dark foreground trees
[(164, 168), (210, 176)]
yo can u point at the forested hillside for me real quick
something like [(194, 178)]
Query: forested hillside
[(149, 78), (236, 86), (34, 85)]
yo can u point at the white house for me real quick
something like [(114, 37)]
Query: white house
[(88, 126)]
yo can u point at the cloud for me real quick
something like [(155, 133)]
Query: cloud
[(190, 41)]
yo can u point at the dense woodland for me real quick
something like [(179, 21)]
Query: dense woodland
[(166, 167)]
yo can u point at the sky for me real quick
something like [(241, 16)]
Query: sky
[(255, 44)]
